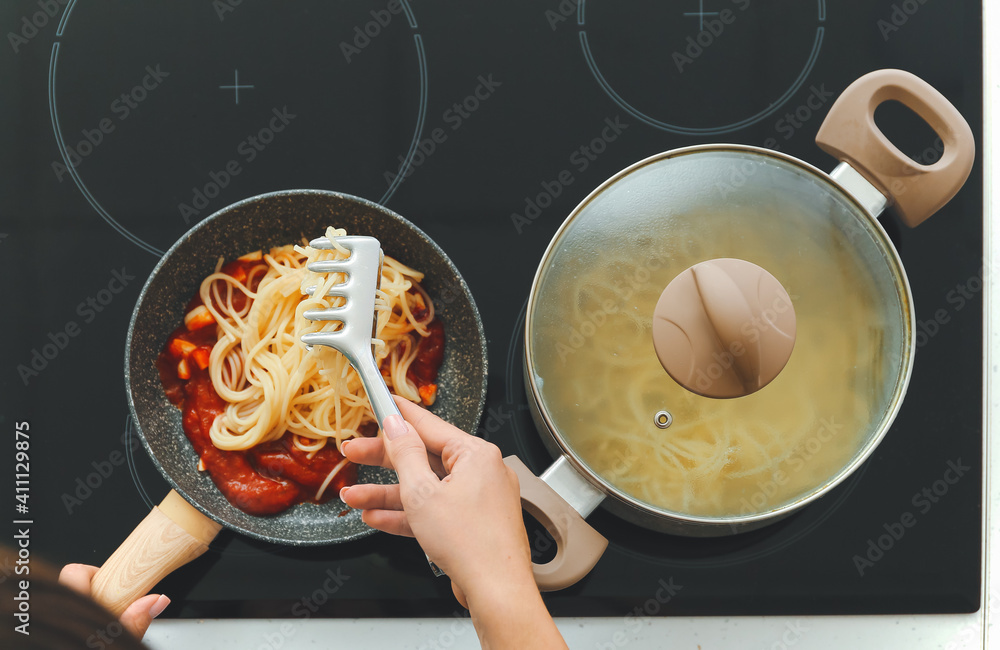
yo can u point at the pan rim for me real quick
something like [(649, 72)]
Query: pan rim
[(192, 232)]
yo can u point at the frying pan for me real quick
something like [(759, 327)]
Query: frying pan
[(192, 514)]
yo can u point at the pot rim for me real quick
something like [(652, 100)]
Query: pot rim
[(902, 284)]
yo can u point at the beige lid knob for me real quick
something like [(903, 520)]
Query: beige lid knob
[(724, 328)]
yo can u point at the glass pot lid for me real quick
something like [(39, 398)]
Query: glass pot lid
[(606, 397)]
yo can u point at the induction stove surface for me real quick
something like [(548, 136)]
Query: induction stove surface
[(128, 124)]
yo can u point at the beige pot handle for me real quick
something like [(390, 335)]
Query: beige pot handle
[(849, 133), (171, 535), (578, 546)]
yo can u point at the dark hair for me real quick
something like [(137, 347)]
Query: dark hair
[(57, 616)]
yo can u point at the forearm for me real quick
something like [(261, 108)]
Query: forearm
[(513, 616)]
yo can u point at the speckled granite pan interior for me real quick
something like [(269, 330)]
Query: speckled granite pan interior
[(275, 220)]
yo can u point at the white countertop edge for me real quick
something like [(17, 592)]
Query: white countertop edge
[(991, 239), (948, 632)]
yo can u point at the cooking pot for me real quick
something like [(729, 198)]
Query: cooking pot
[(719, 335)]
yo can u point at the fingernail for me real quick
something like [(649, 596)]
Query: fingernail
[(158, 607), (343, 446), (394, 426), (343, 491)]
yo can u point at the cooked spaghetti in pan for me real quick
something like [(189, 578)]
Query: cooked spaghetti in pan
[(265, 414)]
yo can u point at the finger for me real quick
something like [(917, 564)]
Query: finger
[(370, 496), (445, 443), (393, 522), (371, 451), (434, 431), (78, 577), (409, 457), (137, 617), (366, 451)]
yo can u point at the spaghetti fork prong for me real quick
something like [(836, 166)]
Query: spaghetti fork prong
[(363, 268), (354, 340)]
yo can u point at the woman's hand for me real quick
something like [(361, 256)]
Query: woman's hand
[(136, 618), (460, 501), (468, 522)]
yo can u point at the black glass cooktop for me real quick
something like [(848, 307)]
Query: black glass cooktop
[(127, 123)]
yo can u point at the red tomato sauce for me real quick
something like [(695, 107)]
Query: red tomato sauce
[(264, 480), (273, 476), (430, 353)]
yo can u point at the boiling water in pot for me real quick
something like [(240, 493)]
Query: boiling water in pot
[(602, 384)]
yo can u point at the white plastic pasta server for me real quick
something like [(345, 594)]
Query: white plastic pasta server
[(363, 268), (354, 339)]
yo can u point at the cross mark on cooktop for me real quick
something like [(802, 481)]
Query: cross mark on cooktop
[(236, 86), (701, 13)]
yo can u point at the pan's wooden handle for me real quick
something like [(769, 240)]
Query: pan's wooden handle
[(171, 535)]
